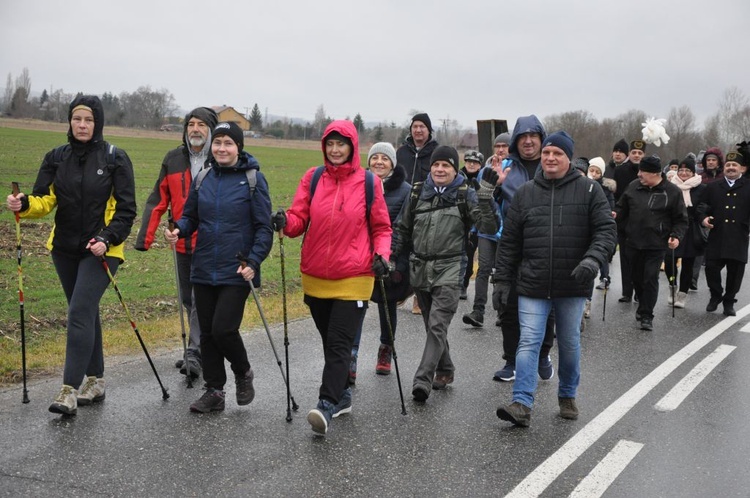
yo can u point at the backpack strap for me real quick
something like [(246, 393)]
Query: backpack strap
[(252, 179), (199, 178), (314, 181), (111, 151)]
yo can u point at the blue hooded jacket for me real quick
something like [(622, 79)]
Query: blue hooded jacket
[(518, 174)]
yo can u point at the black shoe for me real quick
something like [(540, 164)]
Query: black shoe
[(647, 324), (694, 286), (713, 303), (245, 389), (420, 395), (729, 309), (178, 363), (624, 299), (464, 295), (211, 401), (475, 319), (638, 316)]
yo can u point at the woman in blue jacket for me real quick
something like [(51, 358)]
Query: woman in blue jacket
[(231, 215)]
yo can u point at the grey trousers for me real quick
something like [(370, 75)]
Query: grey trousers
[(438, 307), (184, 262)]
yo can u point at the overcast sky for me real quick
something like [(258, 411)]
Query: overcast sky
[(460, 59)]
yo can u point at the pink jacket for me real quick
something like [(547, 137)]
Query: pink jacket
[(337, 244)]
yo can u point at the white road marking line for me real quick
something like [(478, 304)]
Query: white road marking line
[(746, 328), (606, 471), (682, 389), (540, 478)]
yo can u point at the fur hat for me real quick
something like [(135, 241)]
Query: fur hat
[(382, 148), (445, 153), (233, 131), (716, 152)]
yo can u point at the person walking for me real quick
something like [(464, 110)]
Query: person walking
[(381, 160), (91, 184), (178, 169), (346, 245), (693, 244), (231, 216), (432, 230), (472, 164), (558, 231)]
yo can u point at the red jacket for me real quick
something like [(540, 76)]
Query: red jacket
[(337, 243)]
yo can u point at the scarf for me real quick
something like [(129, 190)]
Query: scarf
[(686, 186)]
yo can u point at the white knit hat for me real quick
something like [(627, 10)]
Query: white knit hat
[(598, 162), (382, 148)]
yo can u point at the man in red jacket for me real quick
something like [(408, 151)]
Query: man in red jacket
[(178, 169)]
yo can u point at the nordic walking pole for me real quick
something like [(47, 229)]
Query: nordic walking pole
[(672, 280), (604, 304), (16, 191), (286, 326), (243, 262), (393, 344), (179, 303), (164, 393)]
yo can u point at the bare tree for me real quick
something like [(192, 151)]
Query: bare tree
[(711, 134), (731, 106), (582, 126), (321, 120), (8, 93), (147, 108), (680, 127), (24, 81)]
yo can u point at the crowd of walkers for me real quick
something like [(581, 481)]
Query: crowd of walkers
[(543, 223)]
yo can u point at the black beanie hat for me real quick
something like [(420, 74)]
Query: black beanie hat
[(650, 164), (688, 163), (423, 117), (445, 153), (621, 146), (233, 131)]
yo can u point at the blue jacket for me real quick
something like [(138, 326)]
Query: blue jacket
[(518, 174), (228, 220)]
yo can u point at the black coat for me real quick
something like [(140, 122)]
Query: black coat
[(550, 227), (688, 247), (730, 207), (416, 163), (651, 215), (396, 191), (624, 175)]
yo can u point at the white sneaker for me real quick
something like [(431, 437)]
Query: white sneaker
[(680, 300), (66, 402), (92, 391), (587, 309)]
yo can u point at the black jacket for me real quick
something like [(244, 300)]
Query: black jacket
[(550, 227), (651, 215), (624, 175), (416, 163), (730, 207)]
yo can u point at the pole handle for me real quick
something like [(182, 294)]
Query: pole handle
[(242, 259), (15, 189)]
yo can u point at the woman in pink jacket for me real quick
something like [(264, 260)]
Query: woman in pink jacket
[(343, 250)]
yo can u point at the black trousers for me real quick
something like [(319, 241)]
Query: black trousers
[(220, 311), (686, 272), (337, 322), (512, 329), (735, 273), (646, 266), (626, 269)]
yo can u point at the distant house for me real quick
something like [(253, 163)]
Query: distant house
[(227, 113), (469, 141)]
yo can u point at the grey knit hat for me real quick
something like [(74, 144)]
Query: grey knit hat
[(503, 138), (382, 148)]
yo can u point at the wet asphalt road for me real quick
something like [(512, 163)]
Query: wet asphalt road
[(136, 444)]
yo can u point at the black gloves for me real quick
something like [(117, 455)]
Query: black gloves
[(278, 220), (500, 294), (488, 183), (380, 267), (586, 270)]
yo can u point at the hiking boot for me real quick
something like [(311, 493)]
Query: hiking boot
[(211, 401), (713, 303), (506, 374), (179, 363), (92, 391), (680, 300), (441, 381), (345, 403), (475, 319), (320, 417), (383, 366), (353, 368), (66, 402), (193, 366), (546, 370), (587, 309), (420, 395), (245, 389), (568, 408), (464, 295), (729, 309), (516, 413), (624, 299), (647, 324)]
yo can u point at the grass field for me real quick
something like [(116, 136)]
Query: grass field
[(146, 279)]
